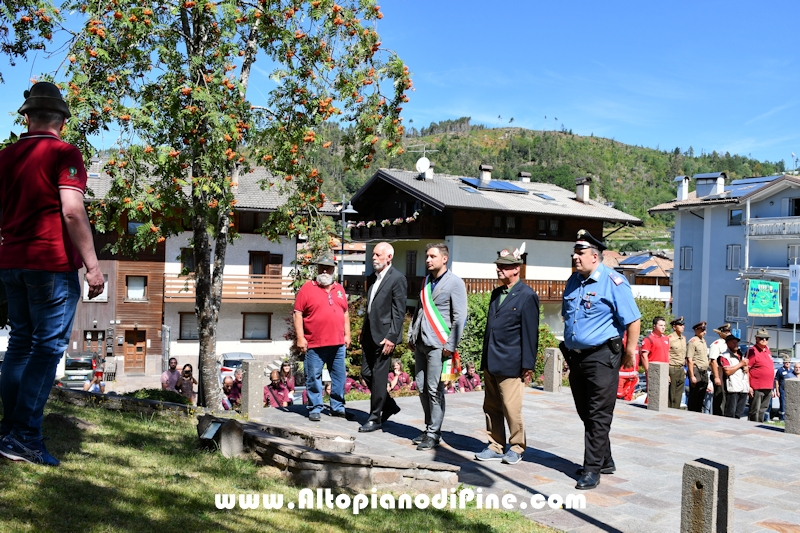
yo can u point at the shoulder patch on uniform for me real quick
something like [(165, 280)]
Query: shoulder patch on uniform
[(616, 278), (72, 172)]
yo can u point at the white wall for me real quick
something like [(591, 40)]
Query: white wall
[(656, 292), (237, 256), (229, 330), (473, 257)]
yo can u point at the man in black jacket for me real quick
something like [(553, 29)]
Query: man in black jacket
[(510, 344), (383, 329)]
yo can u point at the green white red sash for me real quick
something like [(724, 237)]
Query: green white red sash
[(451, 368)]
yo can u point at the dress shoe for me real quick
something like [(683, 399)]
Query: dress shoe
[(369, 426), (387, 413), (343, 414), (608, 468), (419, 438), (428, 443), (588, 480)]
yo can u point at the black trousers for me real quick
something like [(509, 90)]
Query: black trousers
[(375, 369), (697, 391), (718, 405), (594, 380), (735, 403)]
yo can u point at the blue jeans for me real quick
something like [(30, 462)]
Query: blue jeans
[(333, 357), (41, 308)]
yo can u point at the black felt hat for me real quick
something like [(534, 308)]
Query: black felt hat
[(44, 96)]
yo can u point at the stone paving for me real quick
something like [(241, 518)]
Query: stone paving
[(650, 449)]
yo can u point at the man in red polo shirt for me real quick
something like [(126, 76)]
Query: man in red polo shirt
[(46, 239), (655, 347), (322, 324), (759, 359)]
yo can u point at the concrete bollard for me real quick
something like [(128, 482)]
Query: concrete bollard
[(792, 391), (658, 386), (553, 368), (252, 388), (707, 498)]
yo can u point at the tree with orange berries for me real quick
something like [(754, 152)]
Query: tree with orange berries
[(26, 25), (173, 78)]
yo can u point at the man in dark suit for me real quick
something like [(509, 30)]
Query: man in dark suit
[(510, 344), (383, 329)]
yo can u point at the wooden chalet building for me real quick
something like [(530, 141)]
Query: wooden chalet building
[(148, 302), (477, 217)]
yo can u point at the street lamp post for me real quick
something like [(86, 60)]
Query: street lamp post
[(346, 210)]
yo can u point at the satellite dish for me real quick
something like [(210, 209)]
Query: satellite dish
[(423, 164)]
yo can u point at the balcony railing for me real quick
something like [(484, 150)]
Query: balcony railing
[(774, 228), (546, 290), (243, 288)]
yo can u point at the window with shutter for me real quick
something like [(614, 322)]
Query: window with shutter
[(734, 256), (686, 258)]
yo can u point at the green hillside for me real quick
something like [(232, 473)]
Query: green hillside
[(635, 178)]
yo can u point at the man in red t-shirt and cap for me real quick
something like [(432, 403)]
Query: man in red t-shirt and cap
[(46, 239), (762, 374), (322, 324)]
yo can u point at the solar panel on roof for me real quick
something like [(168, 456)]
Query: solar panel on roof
[(494, 185), (635, 260), (646, 270)]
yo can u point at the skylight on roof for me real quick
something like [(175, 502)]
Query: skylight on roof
[(470, 190), (543, 196)]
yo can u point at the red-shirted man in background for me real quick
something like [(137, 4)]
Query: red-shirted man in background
[(655, 347), (46, 239)]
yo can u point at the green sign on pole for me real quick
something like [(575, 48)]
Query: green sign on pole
[(763, 298)]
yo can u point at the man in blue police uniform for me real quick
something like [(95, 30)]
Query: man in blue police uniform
[(598, 308)]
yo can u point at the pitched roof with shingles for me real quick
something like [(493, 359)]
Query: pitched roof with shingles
[(446, 191), (249, 195)]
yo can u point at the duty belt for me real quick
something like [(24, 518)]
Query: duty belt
[(587, 351)]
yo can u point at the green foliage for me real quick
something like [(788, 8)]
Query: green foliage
[(354, 396), (650, 308), (546, 340), (471, 346), (160, 395)]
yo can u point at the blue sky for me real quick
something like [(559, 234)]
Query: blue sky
[(711, 75)]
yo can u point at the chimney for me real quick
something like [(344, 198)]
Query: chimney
[(582, 189), (485, 174), (524, 177), (683, 188), (710, 184)]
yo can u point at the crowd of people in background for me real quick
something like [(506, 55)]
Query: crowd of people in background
[(721, 379)]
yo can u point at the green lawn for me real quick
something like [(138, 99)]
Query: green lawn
[(127, 472)]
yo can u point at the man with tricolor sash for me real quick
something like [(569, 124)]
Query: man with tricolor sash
[(435, 331)]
